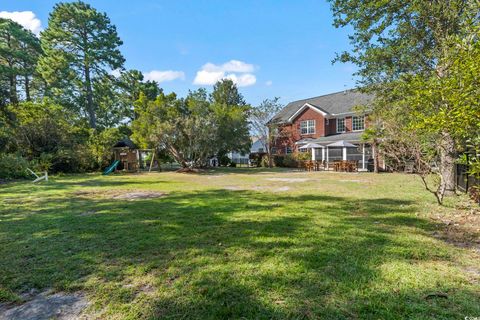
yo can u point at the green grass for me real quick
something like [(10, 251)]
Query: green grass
[(236, 244)]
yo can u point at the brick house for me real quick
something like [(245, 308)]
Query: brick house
[(324, 120)]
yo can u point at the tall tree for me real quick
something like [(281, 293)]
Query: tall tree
[(132, 84), (185, 128), (19, 53), (81, 46), (231, 114), (262, 125), (396, 39)]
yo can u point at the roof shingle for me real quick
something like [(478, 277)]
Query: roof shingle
[(333, 103)]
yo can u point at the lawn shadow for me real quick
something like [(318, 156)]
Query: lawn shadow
[(224, 254)]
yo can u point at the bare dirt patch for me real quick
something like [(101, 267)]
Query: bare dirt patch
[(292, 180), (257, 188), (232, 188), (462, 228), (120, 194), (61, 306)]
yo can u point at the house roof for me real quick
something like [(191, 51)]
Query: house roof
[(125, 143), (351, 137), (332, 104)]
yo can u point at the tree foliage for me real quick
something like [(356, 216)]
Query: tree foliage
[(407, 53), (81, 48), (231, 113), (19, 53), (262, 126), (196, 128)]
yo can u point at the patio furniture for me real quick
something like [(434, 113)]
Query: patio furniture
[(309, 165), (353, 166)]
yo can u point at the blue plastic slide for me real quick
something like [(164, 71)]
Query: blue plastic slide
[(111, 167)]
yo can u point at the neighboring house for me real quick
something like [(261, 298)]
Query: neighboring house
[(244, 158), (324, 120)]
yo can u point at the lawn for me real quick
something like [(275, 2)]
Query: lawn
[(237, 243)]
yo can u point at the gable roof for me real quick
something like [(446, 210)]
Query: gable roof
[(125, 143), (332, 104)]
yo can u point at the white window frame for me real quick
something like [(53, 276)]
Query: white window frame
[(308, 127), (288, 150), (353, 123), (344, 125)]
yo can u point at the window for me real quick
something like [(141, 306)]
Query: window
[(274, 150), (341, 125), (288, 150), (260, 150), (358, 123), (307, 127)]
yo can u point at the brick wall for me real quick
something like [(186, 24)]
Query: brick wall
[(290, 133)]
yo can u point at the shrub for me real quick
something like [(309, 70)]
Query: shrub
[(286, 161), (256, 158), (289, 161), (224, 160), (278, 160), (13, 166), (303, 156), (264, 161)]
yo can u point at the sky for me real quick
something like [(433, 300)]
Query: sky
[(270, 48)]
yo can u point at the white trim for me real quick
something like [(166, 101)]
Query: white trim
[(305, 106), (344, 125)]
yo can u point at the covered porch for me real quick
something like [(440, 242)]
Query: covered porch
[(341, 150)]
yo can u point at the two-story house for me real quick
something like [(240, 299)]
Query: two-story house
[(331, 121)]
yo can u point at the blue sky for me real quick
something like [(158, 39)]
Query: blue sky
[(269, 47)]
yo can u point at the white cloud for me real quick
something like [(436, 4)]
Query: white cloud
[(243, 80), (163, 76), (239, 72), (27, 19), (268, 83)]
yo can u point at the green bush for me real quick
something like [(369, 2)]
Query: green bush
[(303, 156), (278, 160), (13, 166), (286, 161), (264, 161), (257, 158), (289, 161)]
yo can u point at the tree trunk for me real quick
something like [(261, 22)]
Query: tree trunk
[(177, 156), (90, 107), (27, 88), (12, 77), (447, 165), (13, 89)]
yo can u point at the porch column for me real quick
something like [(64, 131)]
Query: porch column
[(327, 157), (323, 154), (313, 154), (363, 156), (344, 153)]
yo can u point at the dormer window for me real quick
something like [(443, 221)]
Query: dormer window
[(358, 123), (307, 127), (341, 125)]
